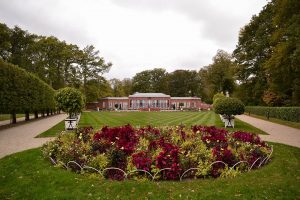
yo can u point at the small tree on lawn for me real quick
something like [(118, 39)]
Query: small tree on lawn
[(217, 97), (69, 100), (228, 107)]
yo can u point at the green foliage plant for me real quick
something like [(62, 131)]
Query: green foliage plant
[(69, 100), (229, 106), (217, 96)]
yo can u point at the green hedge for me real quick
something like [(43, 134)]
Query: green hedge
[(23, 92), (285, 113)]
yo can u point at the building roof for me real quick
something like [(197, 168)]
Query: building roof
[(184, 98), (116, 98), (137, 94)]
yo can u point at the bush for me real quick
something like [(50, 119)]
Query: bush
[(167, 152), (218, 96), (23, 92), (285, 113), (69, 100), (229, 106)]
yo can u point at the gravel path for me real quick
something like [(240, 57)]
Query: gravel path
[(277, 132), (21, 137)]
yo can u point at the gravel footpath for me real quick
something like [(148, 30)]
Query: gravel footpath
[(21, 137), (277, 132)]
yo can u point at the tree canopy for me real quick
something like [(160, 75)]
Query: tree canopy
[(268, 56), (54, 61)]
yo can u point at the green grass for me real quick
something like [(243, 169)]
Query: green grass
[(27, 175), (278, 121), (99, 119), (53, 131), (7, 116)]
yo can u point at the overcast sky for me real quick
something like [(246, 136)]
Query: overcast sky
[(136, 35)]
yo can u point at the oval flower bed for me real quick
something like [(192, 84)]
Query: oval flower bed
[(168, 153)]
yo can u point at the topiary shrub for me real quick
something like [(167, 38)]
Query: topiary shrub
[(69, 100), (217, 97), (229, 106), (23, 92)]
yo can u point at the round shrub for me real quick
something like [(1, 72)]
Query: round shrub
[(229, 106), (217, 97), (69, 100)]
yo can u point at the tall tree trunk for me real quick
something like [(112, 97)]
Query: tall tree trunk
[(14, 118), (26, 116), (47, 112), (36, 114)]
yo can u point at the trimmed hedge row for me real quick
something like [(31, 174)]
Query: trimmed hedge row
[(285, 113), (23, 92)]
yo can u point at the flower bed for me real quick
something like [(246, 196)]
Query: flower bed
[(168, 153)]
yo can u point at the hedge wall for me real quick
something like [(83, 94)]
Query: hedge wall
[(285, 113), (23, 92)]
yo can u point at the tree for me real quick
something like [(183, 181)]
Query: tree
[(93, 90), (268, 54), (159, 80), (229, 106), (69, 100), (218, 76), (92, 66), (184, 83), (54, 61), (150, 81), (127, 86), (252, 51), (117, 88), (5, 44), (21, 50), (283, 66)]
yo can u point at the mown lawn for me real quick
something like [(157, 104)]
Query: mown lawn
[(27, 175), (53, 130), (100, 119)]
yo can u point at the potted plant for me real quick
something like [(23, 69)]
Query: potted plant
[(71, 101), (228, 107)]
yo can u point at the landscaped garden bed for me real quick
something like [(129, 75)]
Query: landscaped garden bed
[(168, 153)]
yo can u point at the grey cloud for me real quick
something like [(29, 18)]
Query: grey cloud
[(218, 26), (40, 17)]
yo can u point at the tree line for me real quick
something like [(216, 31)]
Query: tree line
[(262, 70), (209, 80), (268, 56), (56, 62)]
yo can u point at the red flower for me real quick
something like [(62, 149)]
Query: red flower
[(248, 137), (142, 161)]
